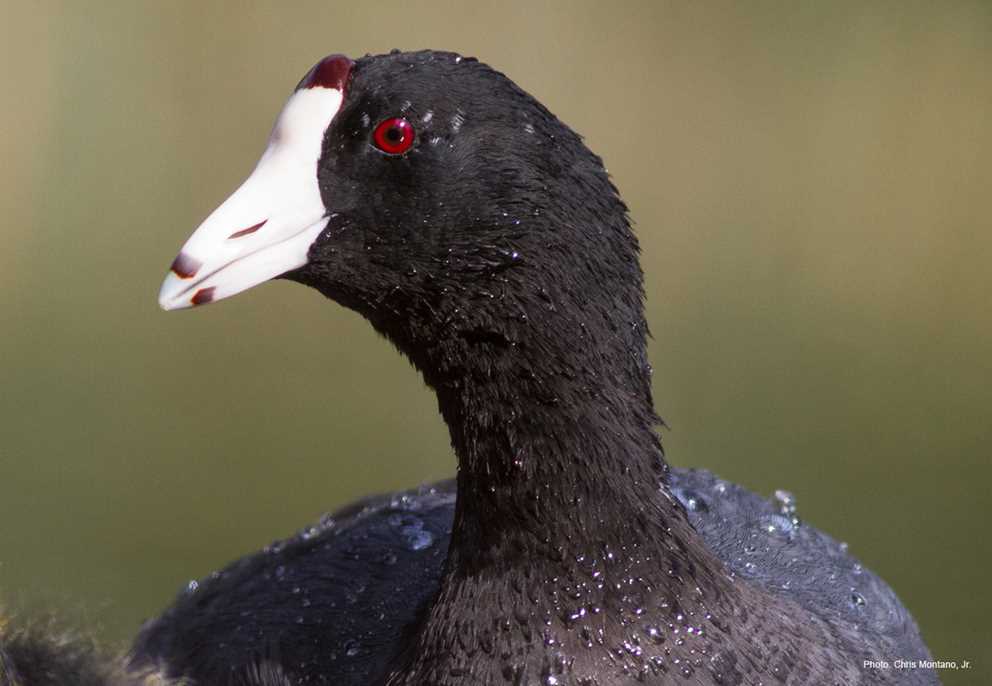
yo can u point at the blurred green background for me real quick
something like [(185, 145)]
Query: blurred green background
[(811, 183)]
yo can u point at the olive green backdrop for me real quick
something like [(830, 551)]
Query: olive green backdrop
[(812, 187)]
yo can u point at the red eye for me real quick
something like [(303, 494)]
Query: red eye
[(394, 135)]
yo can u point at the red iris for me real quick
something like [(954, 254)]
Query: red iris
[(394, 135)]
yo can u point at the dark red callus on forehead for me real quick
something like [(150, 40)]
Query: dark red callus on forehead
[(331, 72)]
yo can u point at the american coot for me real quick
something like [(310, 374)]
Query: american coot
[(475, 231)]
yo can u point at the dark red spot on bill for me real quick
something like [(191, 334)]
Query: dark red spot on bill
[(185, 267), (331, 72), (204, 296), (249, 230)]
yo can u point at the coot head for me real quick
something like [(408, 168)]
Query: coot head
[(434, 196)]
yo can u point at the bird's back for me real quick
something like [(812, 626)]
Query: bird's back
[(338, 602)]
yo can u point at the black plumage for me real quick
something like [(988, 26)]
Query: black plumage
[(340, 597), (497, 255)]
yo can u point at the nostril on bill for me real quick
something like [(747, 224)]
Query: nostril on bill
[(249, 230)]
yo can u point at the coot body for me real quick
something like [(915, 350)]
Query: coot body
[(336, 603), (477, 233)]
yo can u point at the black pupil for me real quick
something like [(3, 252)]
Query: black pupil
[(394, 134)]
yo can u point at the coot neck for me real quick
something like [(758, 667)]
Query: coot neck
[(539, 362), (565, 535), (551, 449)]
